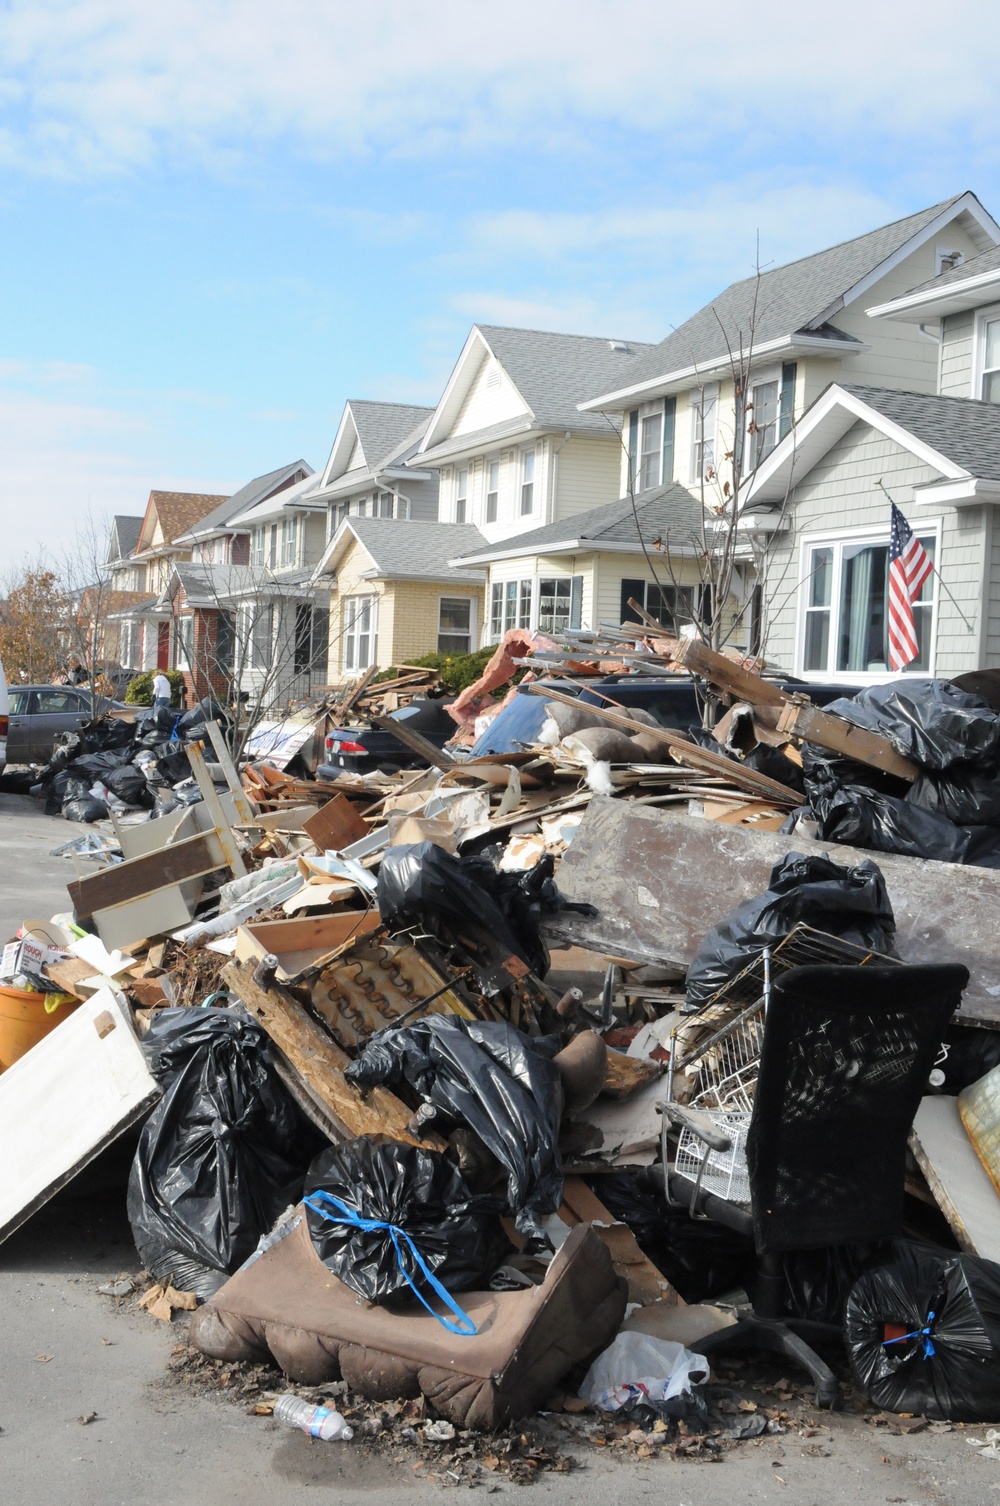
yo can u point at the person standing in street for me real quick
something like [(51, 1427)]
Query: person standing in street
[(161, 691)]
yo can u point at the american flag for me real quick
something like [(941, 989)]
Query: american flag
[(909, 567)]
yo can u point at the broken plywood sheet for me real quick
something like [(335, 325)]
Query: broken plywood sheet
[(64, 1101), (956, 1176), (661, 881)]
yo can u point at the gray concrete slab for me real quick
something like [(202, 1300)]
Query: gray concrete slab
[(67, 1351)]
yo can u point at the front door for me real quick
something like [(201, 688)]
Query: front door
[(163, 645)]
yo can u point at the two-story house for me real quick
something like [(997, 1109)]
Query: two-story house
[(721, 392), (936, 454)]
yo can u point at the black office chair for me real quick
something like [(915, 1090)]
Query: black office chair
[(846, 1055)]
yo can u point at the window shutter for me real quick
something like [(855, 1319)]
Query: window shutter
[(669, 415), (786, 403), (633, 447), (636, 588), (576, 602)]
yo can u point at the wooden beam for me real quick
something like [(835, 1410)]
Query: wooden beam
[(838, 736), (687, 752), (140, 876), (314, 1057), (416, 742), (799, 719), (357, 690)]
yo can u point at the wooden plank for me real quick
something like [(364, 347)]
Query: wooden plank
[(225, 761), (646, 1283), (335, 825), (189, 859), (956, 1176), (662, 880), (304, 945), (64, 1101), (213, 806), (71, 975), (353, 695), (416, 743), (812, 725), (725, 674), (311, 1053), (687, 752)]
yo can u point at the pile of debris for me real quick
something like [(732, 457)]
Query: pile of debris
[(388, 1148)]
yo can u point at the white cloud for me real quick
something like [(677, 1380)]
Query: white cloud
[(102, 85)]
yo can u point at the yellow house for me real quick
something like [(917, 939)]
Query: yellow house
[(393, 594)]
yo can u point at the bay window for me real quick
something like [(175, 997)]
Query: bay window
[(844, 627)]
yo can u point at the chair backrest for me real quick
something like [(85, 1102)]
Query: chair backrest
[(846, 1057)]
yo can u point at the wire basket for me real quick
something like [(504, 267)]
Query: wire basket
[(722, 1172)]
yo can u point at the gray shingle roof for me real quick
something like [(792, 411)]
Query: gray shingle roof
[(666, 512), (789, 299), (510, 428), (247, 495), (987, 261), (413, 550), (555, 372), (386, 428), (125, 533), (212, 585), (963, 429)]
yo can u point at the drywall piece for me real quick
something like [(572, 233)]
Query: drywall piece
[(955, 1175), (64, 1101), (662, 880)]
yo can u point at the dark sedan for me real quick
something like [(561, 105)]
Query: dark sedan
[(38, 713)]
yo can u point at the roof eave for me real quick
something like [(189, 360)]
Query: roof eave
[(935, 303), (680, 380), (962, 491)]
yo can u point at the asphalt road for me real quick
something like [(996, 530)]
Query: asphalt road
[(68, 1351)]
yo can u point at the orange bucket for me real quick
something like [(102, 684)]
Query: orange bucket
[(24, 1020)]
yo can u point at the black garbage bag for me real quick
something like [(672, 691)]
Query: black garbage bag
[(456, 1233), (156, 726), (100, 765), (221, 1155), (968, 794), (862, 817), (923, 1334), (931, 722), (172, 763), (191, 724), (847, 902), (63, 786), (84, 808), (129, 784), (700, 1259), (421, 884), (491, 1079), (762, 758), (106, 732), (818, 1282)]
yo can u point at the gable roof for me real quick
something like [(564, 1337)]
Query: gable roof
[(664, 512), (175, 512), (550, 372), (406, 549), (792, 306), (296, 495), (959, 437), (386, 434), (220, 517), (124, 537), (969, 285)]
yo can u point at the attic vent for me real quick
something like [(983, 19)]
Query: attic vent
[(618, 345), (493, 377)]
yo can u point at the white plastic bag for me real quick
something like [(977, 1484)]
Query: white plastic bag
[(637, 1366)]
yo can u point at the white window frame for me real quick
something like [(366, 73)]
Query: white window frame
[(983, 318), (529, 479), (462, 493), (768, 375), (836, 539), (470, 602), (517, 609), (288, 542), (383, 499), (350, 650), (257, 546), (648, 412), (698, 399), (492, 491), (183, 645)]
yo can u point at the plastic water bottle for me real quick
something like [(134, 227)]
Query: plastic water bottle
[(318, 1422)]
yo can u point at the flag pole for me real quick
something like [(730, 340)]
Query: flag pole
[(944, 586)]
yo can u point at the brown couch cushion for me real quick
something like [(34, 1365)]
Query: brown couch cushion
[(287, 1304)]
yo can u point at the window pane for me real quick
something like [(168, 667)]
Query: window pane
[(493, 491), (862, 628), (765, 420), (817, 646), (821, 580), (652, 445), (456, 614), (496, 610), (991, 387), (991, 354), (554, 599), (524, 605)]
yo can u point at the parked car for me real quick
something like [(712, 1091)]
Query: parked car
[(38, 713), (4, 714), (672, 701), (360, 749)]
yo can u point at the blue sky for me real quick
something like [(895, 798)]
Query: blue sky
[(220, 220)]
